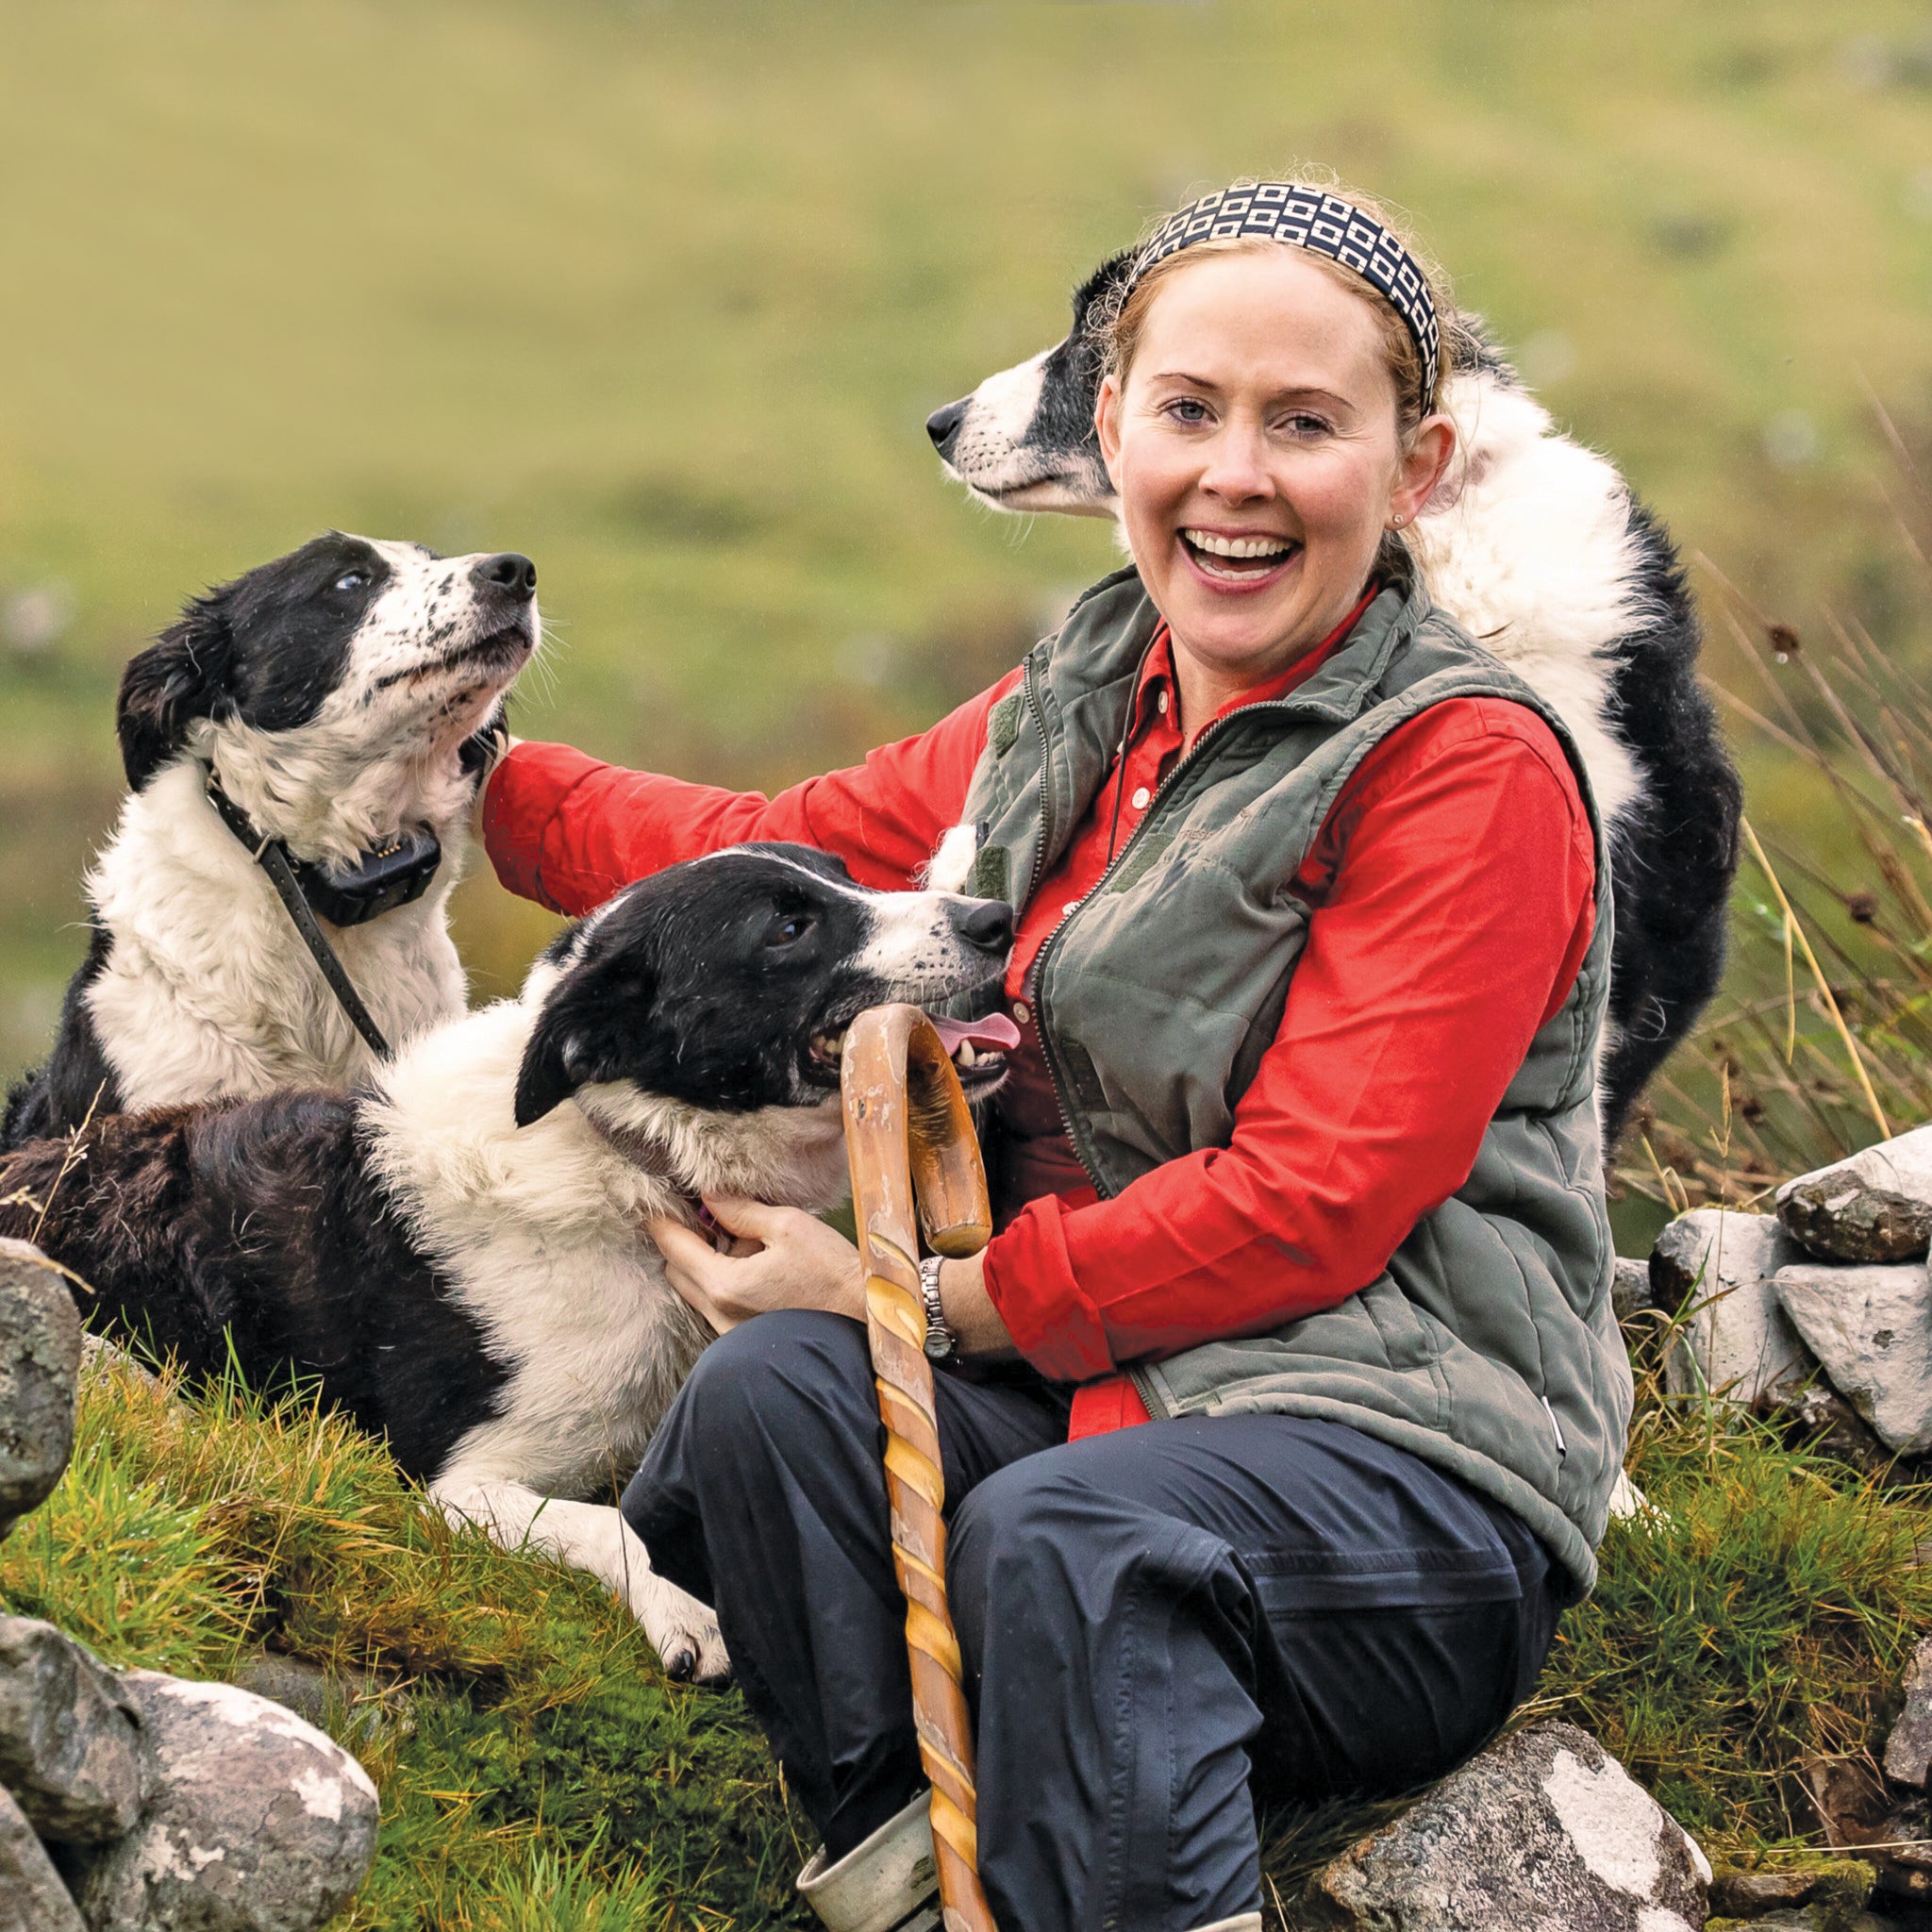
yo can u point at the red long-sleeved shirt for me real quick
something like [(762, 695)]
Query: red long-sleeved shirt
[(1451, 895)]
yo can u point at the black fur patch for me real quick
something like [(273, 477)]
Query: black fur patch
[(267, 648), (1674, 847), (257, 1227), (75, 1076)]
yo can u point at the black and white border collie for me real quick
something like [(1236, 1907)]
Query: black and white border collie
[(1537, 546), (336, 695), (453, 1252)]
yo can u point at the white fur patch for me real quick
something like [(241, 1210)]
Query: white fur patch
[(208, 991), (1535, 557), (951, 865)]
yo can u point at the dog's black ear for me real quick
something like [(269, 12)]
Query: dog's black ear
[(183, 675), (556, 1062), (582, 1035)]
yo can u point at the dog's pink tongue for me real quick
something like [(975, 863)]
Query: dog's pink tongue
[(995, 1031)]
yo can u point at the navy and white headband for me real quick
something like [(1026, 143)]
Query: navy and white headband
[(1322, 224)]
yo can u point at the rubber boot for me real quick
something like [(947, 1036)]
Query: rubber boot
[(886, 1883)]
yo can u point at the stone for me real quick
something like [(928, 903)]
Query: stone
[(1736, 1343), (1631, 1290), (1835, 1889), (100, 1357), (259, 1822), (1871, 1329), (70, 1744), (32, 1898), (1875, 1206), (358, 1700), (1819, 1418), (1542, 1832), (40, 1376), (1909, 1749)]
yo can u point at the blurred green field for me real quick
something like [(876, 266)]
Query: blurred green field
[(662, 293)]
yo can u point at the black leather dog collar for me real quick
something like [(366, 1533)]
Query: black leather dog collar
[(395, 873)]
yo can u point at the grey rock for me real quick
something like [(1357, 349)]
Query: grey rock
[(1874, 1207), (1908, 1749), (1543, 1832), (1631, 1290), (39, 1376), (70, 1744), (258, 1823), (1836, 1888), (1736, 1343), (98, 1355), (32, 1898), (1826, 1422), (1871, 1329), (357, 1700)]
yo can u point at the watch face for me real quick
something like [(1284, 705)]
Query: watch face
[(939, 1346)]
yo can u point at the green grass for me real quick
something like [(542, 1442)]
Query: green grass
[(545, 1774)]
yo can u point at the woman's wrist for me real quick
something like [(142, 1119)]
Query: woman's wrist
[(970, 1312)]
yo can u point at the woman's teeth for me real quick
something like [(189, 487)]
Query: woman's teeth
[(1237, 546)]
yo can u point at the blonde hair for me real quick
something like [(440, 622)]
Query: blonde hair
[(1121, 330)]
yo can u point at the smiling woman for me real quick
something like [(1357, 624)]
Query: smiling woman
[(1282, 1412)]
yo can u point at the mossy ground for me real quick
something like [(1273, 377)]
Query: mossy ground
[(545, 1775)]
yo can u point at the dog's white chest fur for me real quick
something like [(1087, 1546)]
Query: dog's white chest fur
[(539, 1230), (208, 990)]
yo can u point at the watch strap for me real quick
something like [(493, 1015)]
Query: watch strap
[(939, 1339)]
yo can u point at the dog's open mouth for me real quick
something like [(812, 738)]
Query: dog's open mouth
[(979, 1049)]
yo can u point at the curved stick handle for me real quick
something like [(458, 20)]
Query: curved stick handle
[(906, 1125)]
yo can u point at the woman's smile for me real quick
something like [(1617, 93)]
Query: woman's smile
[(1233, 563)]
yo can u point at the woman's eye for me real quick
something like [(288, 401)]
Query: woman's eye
[(1305, 427), (352, 580), (1187, 409)]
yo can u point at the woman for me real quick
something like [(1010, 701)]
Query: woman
[(1287, 1400)]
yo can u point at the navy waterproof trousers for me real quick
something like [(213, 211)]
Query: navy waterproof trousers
[(1161, 1626)]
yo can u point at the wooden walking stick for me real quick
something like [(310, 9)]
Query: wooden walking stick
[(907, 1132)]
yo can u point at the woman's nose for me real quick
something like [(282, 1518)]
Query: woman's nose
[(1237, 467)]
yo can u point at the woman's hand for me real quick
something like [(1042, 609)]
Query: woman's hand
[(779, 1257)]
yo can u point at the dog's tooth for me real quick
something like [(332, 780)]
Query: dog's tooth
[(966, 1057)]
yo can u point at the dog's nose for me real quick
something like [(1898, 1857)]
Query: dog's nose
[(943, 425), (987, 923), (510, 572)]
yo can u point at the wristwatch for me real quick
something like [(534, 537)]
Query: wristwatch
[(940, 1339)]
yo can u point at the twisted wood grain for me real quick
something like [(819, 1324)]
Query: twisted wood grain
[(909, 1137)]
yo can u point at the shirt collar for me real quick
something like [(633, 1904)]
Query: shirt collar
[(1156, 671)]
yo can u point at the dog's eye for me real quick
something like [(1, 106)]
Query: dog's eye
[(789, 928), (352, 580)]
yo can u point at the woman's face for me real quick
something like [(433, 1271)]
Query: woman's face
[(1258, 418)]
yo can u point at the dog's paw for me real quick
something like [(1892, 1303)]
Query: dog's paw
[(685, 1635)]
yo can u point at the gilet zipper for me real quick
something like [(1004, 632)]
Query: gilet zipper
[(1038, 976)]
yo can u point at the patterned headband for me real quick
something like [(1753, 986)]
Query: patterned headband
[(1322, 223)]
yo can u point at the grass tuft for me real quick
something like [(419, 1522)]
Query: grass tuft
[(1757, 1621), (541, 1772)]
